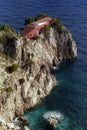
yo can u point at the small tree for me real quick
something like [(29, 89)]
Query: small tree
[(9, 90), (6, 28), (29, 20), (21, 81), (47, 30), (57, 24), (29, 62), (1, 27), (12, 68), (32, 19), (40, 16)]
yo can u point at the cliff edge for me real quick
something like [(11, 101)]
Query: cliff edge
[(25, 68)]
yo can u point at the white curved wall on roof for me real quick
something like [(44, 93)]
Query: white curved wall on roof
[(39, 24)]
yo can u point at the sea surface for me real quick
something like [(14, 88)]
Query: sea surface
[(70, 96)]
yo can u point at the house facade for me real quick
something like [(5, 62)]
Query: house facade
[(35, 28)]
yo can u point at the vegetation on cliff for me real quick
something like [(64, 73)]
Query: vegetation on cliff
[(8, 37), (27, 79), (33, 19), (6, 28), (56, 23), (12, 68)]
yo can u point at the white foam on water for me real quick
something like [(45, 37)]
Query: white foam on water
[(53, 114)]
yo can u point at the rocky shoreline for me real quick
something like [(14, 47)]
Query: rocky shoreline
[(25, 74)]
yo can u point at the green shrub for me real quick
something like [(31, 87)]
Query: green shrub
[(32, 54), (9, 90), (30, 62), (12, 68), (29, 20), (21, 81), (6, 28), (32, 19), (46, 30), (1, 27), (57, 24), (2, 39), (40, 16), (8, 36)]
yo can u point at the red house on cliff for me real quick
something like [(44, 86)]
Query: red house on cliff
[(34, 29)]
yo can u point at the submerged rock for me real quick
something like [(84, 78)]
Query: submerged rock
[(53, 122), (21, 121), (52, 118)]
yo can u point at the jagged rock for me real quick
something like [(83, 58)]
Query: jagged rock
[(53, 122), (22, 121), (26, 128), (33, 60), (52, 118)]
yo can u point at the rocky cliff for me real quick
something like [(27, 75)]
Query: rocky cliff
[(25, 68)]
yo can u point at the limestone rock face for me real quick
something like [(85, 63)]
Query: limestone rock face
[(25, 77), (64, 44)]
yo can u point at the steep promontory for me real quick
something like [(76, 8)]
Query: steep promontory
[(25, 68)]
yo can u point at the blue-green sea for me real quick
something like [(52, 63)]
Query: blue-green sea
[(70, 96), (66, 98)]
